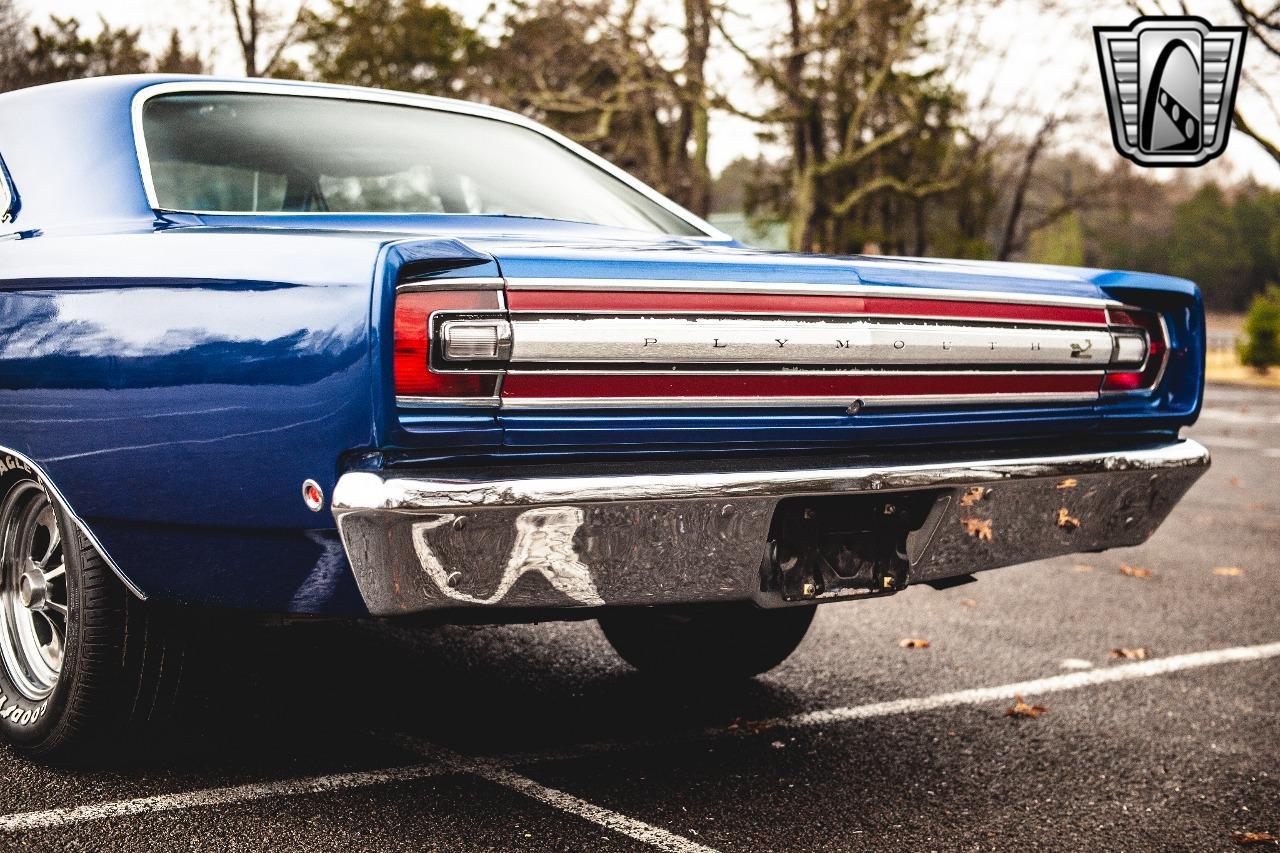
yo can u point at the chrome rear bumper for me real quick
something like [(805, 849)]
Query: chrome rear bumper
[(421, 542)]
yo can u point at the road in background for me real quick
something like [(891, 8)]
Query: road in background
[(539, 738)]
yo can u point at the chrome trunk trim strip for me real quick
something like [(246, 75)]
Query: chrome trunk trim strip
[(512, 403), (852, 288)]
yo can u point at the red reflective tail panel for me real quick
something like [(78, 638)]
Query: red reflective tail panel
[(414, 377)]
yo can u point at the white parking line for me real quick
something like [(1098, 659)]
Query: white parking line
[(218, 796), (977, 696), (654, 836), (493, 770), (497, 768), (1035, 687)]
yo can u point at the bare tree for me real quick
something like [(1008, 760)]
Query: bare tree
[(1264, 28), (695, 115), (12, 45), (873, 136), (261, 36)]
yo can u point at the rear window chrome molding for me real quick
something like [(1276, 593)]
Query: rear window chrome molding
[(382, 96)]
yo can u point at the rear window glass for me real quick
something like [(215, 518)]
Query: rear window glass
[(255, 153)]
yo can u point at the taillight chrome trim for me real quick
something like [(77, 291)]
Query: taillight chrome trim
[(1165, 343)]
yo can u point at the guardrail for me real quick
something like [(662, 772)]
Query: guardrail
[(1223, 343)]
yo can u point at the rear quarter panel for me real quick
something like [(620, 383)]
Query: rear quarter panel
[(179, 387)]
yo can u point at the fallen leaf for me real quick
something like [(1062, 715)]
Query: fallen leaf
[(1228, 571), (913, 643), (1083, 567), (1140, 653), (1243, 838), (978, 527), (1069, 483), (969, 602), (1066, 520), (1022, 709), (973, 495), (749, 726), (1133, 572)]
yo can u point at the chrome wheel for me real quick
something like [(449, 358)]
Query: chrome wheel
[(33, 591)]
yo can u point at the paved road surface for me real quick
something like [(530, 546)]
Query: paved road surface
[(538, 738)]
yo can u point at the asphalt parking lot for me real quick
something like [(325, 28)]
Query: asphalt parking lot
[(539, 738)]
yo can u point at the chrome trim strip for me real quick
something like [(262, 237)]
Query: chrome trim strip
[(57, 495), (853, 288), (521, 314), (862, 343), (774, 402), (450, 284), (365, 490), (408, 402), (358, 93), (1098, 370)]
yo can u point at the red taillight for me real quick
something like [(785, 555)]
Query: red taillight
[(1157, 350), (413, 374)]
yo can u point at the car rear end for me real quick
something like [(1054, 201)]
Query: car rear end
[(578, 425)]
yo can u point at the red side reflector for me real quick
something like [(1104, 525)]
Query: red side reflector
[(413, 374)]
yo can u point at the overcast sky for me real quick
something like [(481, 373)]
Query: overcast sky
[(1034, 58)]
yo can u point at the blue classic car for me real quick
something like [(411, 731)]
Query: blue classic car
[(288, 348)]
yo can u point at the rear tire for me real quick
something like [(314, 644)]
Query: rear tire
[(709, 643), (81, 659)]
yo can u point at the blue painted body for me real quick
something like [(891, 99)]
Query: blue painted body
[(178, 377)]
